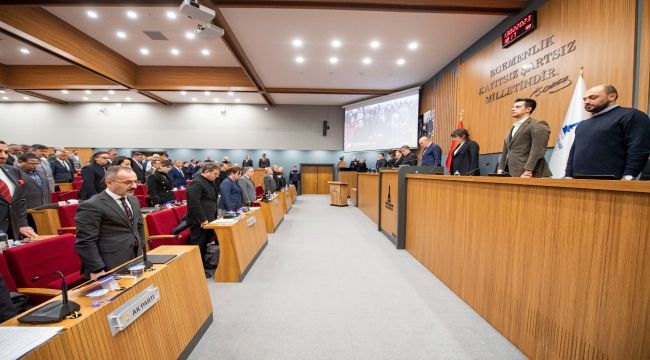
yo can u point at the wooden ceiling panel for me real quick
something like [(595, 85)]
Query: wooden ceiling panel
[(54, 77), (160, 78)]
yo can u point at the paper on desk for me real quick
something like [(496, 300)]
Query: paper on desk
[(16, 341), (225, 221)]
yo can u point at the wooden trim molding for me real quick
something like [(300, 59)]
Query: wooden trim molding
[(42, 96)]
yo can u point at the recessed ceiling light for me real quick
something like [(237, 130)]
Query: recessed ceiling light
[(171, 15), (121, 34), (175, 51), (111, 92), (132, 14), (26, 97), (207, 93), (400, 62), (84, 98), (300, 59), (334, 60), (194, 99), (237, 100), (105, 98), (375, 44), (189, 35), (413, 45), (297, 43), (127, 98), (92, 14), (144, 51), (24, 50), (183, 92), (336, 43), (5, 98), (88, 92), (216, 99), (205, 52), (230, 93), (64, 91), (2, 92), (367, 60)]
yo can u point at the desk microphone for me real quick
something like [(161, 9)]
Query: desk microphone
[(54, 311), (478, 168), (147, 264)]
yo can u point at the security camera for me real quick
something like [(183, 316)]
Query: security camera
[(209, 31), (196, 11)]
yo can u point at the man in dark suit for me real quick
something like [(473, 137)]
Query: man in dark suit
[(269, 181), (381, 161), (93, 176), (408, 157), (264, 162), (13, 211), (465, 157), (35, 187), (525, 145), (248, 162), (62, 167), (14, 152), (176, 174), (248, 186), (110, 229), (202, 207), (231, 195), (138, 166), (431, 153)]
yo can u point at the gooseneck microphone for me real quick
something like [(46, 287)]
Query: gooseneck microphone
[(478, 168), (55, 311)]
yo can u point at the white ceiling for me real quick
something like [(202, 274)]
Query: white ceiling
[(265, 35)]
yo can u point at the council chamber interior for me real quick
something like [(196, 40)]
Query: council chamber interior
[(556, 267)]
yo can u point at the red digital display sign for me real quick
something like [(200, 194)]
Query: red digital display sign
[(520, 29)]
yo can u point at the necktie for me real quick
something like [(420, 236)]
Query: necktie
[(64, 163), (127, 209), (4, 191)]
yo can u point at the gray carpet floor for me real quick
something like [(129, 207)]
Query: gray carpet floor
[(330, 286)]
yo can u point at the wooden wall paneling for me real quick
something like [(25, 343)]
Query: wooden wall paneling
[(440, 95), (546, 64), (3, 75), (561, 272), (165, 78), (258, 176), (644, 63)]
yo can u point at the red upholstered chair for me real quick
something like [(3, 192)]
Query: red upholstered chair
[(36, 295), (141, 190), (180, 195), (76, 184), (66, 218), (180, 211), (65, 195), (259, 191), (158, 229), (142, 199), (43, 257)]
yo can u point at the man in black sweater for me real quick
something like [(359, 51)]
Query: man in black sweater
[(615, 141)]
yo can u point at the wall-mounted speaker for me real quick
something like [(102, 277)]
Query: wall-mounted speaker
[(325, 127)]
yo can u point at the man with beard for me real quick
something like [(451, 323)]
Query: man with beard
[(615, 141)]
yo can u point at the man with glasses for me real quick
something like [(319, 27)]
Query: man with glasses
[(93, 176), (110, 229)]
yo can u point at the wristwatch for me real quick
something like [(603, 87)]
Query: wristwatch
[(628, 177)]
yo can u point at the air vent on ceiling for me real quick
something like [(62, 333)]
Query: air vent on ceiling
[(155, 35)]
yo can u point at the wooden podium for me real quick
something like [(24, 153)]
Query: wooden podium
[(338, 193), (168, 330)]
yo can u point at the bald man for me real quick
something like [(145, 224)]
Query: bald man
[(615, 141)]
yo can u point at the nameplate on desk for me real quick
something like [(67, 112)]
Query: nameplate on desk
[(126, 314), (250, 221)]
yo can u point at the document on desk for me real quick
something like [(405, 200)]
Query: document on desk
[(16, 341), (225, 221)]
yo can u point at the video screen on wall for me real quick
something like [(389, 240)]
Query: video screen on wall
[(387, 122)]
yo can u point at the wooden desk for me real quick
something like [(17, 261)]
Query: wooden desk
[(348, 177), (169, 330), (294, 193), (560, 267), (286, 200), (47, 221), (64, 186), (368, 195), (388, 200), (240, 243), (272, 212), (338, 193)]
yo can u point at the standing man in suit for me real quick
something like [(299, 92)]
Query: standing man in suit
[(14, 152), (44, 168), (202, 207), (431, 153), (74, 157), (13, 211), (465, 157), (525, 144), (138, 166), (248, 162), (62, 168), (93, 176), (264, 162), (269, 181), (176, 174), (231, 195), (408, 157), (248, 186), (110, 229), (35, 187)]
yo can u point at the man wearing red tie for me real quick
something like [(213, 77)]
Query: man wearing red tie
[(13, 212)]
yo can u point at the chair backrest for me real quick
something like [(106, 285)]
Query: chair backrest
[(4, 270), (180, 211), (76, 184), (161, 222), (66, 215), (180, 195), (259, 191), (141, 190), (43, 257)]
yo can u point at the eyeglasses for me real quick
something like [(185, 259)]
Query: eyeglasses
[(125, 182)]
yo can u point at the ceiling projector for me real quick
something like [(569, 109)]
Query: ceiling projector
[(196, 11), (209, 31)]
